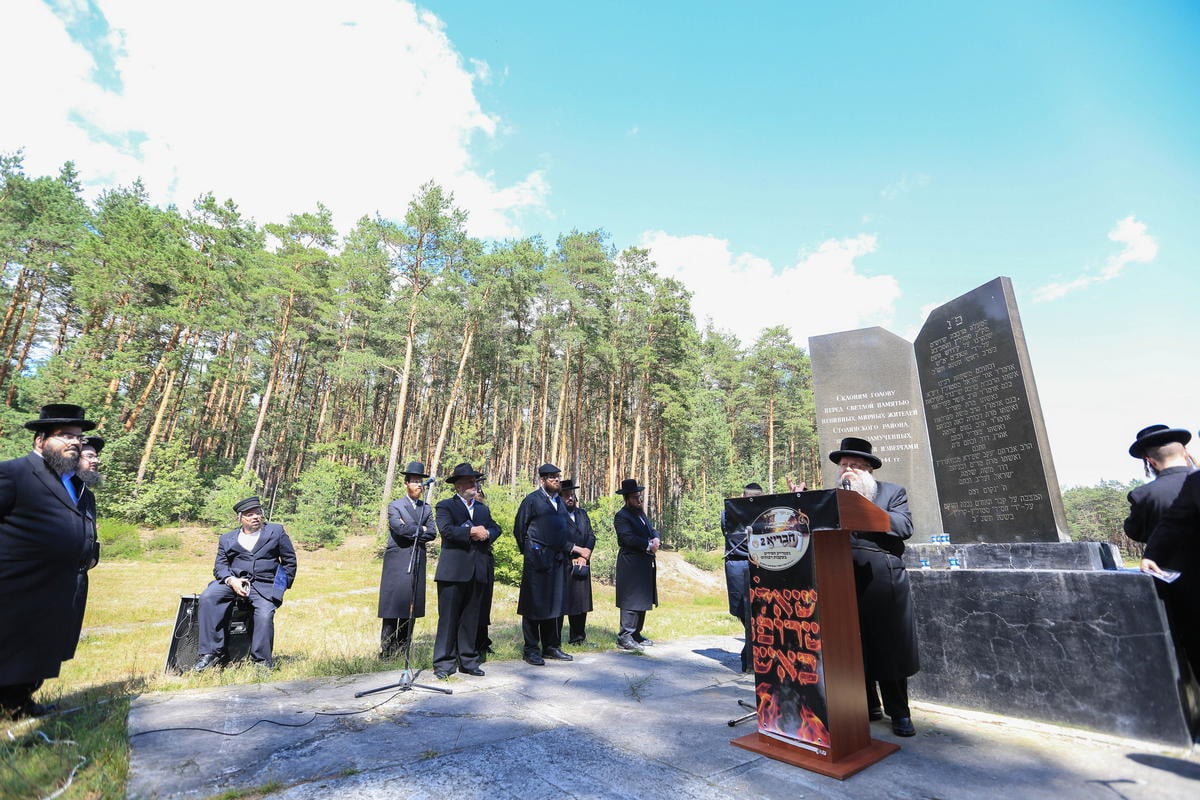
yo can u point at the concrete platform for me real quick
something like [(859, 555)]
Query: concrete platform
[(608, 724)]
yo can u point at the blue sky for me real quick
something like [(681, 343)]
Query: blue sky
[(854, 164)]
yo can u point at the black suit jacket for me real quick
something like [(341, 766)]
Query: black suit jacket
[(42, 545), (463, 559), (271, 564), (1148, 502)]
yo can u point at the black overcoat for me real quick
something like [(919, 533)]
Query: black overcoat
[(1148, 502), (637, 589), (406, 526), (91, 552), (42, 544), (271, 564), (541, 531), (579, 590), (1175, 544), (886, 620), (463, 559)]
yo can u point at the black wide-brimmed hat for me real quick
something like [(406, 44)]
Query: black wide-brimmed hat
[(54, 415), (242, 506), (416, 468), (548, 469), (852, 446), (463, 470), (94, 442), (1157, 436), (567, 485), (630, 486)]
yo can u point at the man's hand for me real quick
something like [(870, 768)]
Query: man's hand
[(1151, 568), (579, 562), (479, 533), (240, 586), (796, 487), (583, 553), (655, 543)]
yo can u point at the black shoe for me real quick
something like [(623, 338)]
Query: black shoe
[(643, 641), (556, 654), (535, 659), (441, 674), (902, 726), (206, 661), (875, 714), (476, 671), (629, 644)]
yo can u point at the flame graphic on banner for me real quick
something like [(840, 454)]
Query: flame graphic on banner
[(808, 728)]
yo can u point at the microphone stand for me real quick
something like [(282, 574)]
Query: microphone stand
[(407, 680)]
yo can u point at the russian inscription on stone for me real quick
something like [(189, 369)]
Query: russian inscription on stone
[(994, 474), (865, 385)]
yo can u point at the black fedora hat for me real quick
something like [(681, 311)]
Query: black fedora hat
[(242, 506), (54, 415), (1156, 436), (416, 468), (852, 446), (548, 469), (94, 442), (463, 470), (567, 485), (630, 486)]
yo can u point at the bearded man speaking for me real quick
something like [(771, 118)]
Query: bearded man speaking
[(885, 613)]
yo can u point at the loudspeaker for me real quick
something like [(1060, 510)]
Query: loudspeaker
[(184, 650)]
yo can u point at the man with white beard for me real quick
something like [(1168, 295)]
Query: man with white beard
[(886, 621)]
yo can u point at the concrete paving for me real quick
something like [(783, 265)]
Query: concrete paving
[(607, 725)]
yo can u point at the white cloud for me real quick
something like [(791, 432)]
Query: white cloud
[(906, 184), (279, 106), (1140, 247), (822, 292)]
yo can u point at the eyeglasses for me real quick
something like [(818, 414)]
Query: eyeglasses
[(69, 437)]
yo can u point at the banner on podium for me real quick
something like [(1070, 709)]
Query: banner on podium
[(789, 671)]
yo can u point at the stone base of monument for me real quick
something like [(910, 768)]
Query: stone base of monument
[(1048, 632)]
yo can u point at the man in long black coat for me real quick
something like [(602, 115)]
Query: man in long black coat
[(579, 569), (887, 623), (402, 582), (541, 531), (637, 588), (256, 562), (737, 577), (89, 474), (465, 571), (42, 544), (1162, 450), (1175, 545)]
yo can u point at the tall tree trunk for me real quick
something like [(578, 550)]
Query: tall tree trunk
[(154, 429), (398, 422), (265, 403)]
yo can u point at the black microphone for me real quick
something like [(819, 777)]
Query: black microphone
[(426, 483), (846, 484)]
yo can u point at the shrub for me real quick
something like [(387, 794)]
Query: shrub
[(164, 540), (707, 560), (324, 503)]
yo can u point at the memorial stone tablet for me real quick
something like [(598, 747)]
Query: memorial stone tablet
[(991, 461), (865, 385)]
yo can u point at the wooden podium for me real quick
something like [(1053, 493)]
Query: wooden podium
[(845, 745)]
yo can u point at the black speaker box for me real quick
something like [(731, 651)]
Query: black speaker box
[(185, 636)]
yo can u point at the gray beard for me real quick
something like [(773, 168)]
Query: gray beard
[(90, 478), (864, 483), (60, 464)]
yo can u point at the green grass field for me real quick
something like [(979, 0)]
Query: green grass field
[(326, 626)]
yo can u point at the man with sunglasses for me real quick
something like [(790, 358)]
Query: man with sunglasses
[(43, 543)]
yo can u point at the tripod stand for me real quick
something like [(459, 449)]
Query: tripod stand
[(407, 680)]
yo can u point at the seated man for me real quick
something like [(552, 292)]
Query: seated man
[(256, 562)]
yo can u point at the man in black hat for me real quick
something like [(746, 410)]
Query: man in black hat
[(737, 576), (886, 620), (579, 573), (637, 589), (43, 543), (89, 475), (402, 583), (464, 573), (256, 562), (541, 531), (1165, 458)]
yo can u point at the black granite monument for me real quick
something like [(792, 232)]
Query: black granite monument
[(991, 457)]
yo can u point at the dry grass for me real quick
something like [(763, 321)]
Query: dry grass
[(327, 626)]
